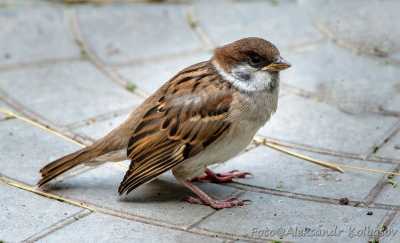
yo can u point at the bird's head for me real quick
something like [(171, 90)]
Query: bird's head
[(250, 64)]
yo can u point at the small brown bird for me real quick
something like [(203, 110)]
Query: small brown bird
[(205, 114)]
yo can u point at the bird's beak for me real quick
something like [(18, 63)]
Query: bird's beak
[(278, 65)]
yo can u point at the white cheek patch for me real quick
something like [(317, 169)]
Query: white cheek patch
[(246, 78), (222, 72), (261, 80)]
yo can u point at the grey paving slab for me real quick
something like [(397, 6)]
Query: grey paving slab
[(354, 83), (279, 217), (272, 169), (137, 31), (104, 228), (395, 101), (318, 124), (396, 56), (23, 214), (4, 106), (149, 76), (14, 3), (45, 28), (100, 128), (25, 149), (159, 200), (391, 149), (227, 22), (66, 93), (393, 231), (390, 193), (371, 28)]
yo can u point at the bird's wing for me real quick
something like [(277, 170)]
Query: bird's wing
[(191, 113)]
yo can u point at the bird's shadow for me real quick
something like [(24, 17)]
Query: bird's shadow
[(159, 190)]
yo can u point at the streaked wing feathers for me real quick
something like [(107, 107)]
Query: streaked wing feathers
[(190, 114)]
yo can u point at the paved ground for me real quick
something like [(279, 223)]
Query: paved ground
[(79, 69)]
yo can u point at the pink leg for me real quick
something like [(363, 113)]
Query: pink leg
[(205, 199), (221, 177)]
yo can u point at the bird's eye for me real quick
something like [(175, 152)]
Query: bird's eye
[(255, 60)]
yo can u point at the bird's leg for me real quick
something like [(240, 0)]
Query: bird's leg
[(205, 199), (221, 177)]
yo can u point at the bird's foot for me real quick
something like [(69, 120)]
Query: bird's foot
[(221, 177), (217, 204), (204, 199)]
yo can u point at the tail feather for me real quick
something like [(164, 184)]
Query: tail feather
[(65, 163), (113, 141)]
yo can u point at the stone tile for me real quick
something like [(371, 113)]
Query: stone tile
[(25, 149), (275, 170), (393, 231), (100, 128), (227, 22), (371, 28), (394, 104), (23, 214), (396, 56), (357, 84), (104, 228), (159, 200), (391, 149), (6, 107), (34, 33), (150, 76), (325, 126), (268, 213), (390, 193), (137, 31), (66, 93), (14, 3)]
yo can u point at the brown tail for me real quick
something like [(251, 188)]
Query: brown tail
[(63, 164), (113, 141)]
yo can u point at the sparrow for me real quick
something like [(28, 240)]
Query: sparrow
[(206, 114)]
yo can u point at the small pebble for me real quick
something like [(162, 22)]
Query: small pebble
[(344, 201)]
